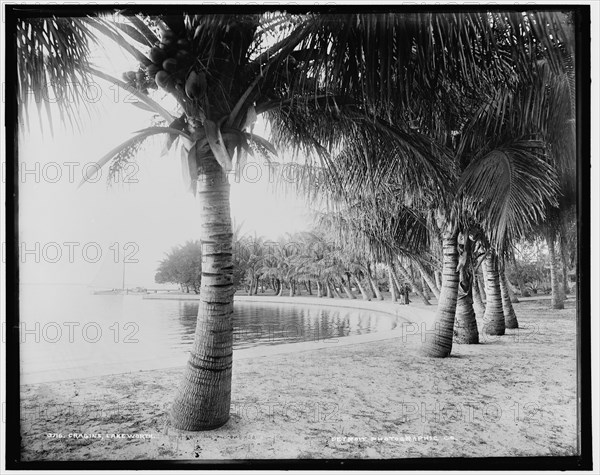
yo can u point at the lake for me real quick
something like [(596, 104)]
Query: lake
[(67, 332)]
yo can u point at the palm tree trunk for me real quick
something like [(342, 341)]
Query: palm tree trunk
[(281, 288), (427, 278), (335, 290), (397, 284), (329, 292), (425, 287), (465, 327), (319, 289), (347, 289), (478, 304), (256, 286), (481, 283), (392, 286), (438, 343), (203, 399), (494, 313), (510, 317), (438, 279), (409, 279), (363, 292), (376, 291), (557, 300), (512, 292), (564, 259)]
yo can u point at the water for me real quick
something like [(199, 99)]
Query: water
[(67, 332)]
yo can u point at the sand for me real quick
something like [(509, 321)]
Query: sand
[(514, 395)]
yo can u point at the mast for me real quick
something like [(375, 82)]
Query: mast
[(123, 284)]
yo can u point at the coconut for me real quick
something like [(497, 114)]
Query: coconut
[(170, 65), (157, 55), (164, 80), (153, 69)]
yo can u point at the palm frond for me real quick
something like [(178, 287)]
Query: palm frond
[(508, 191), (52, 64), (140, 136)]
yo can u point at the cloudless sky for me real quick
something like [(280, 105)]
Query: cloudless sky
[(146, 216)]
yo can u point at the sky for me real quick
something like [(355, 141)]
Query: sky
[(82, 235)]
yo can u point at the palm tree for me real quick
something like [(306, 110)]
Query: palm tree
[(224, 71), (506, 179)]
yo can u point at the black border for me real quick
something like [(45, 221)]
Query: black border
[(13, 439)]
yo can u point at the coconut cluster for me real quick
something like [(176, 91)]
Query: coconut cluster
[(139, 80), (171, 67)]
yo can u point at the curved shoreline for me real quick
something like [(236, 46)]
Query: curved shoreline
[(411, 315)]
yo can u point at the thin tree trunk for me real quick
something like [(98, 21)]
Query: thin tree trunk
[(397, 284), (564, 259), (309, 288), (478, 304), (203, 398), (510, 317), (465, 328), (335, 290), (256, 286), (511, 292), (412, 283), (426, 292), (329, 291), (494, 313), (370, 281), (438, 343), (376, 291), (481, 283), (347, 290), (427, 278), (391, 284), (291, 288), (363, 292), (438, 279), (281, 288), (319, 289), (557, 299)]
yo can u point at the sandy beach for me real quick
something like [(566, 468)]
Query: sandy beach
[(509, 396)]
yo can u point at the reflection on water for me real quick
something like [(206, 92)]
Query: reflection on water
[(65, 328), (273, 324)]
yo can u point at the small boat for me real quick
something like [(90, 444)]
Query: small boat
[(109, 292)]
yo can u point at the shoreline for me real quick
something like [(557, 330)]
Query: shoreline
[(410, 315)]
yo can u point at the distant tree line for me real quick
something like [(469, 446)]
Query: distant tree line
[(182, 266)]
